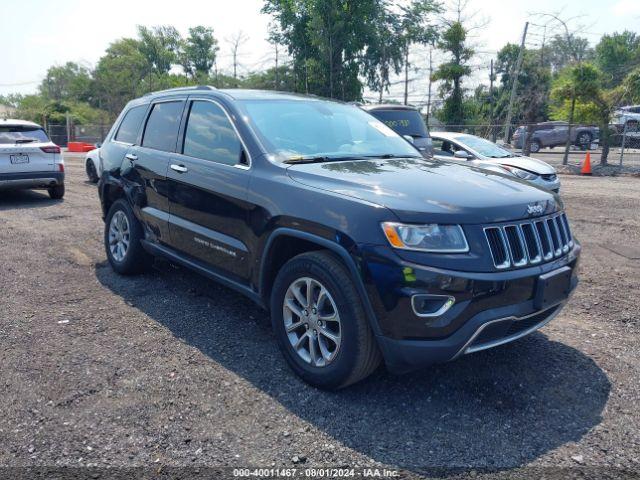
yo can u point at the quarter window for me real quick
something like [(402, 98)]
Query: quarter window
[(128, 131), (161, 131), (210, 135)]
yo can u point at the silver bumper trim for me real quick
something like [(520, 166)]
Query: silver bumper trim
[(466, 348)]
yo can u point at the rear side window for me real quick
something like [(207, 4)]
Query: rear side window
[(22, 134), (210, 135), (128, 131), (161, 131)]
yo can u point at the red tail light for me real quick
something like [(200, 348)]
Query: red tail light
[(51, 149), (61, 167)]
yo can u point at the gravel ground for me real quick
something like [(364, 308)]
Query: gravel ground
[(171, 369)]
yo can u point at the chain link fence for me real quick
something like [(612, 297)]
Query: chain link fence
[(63, 134), (624, 140), (548, 140)]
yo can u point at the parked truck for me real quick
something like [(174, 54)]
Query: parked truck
[(553, 134)]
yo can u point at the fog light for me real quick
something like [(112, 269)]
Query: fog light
[(425, 305)]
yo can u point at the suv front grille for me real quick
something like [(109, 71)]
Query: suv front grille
[(529, 242)]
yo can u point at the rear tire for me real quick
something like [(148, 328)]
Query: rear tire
[(56, 192), (92, 173), (122, 235), (355, 355)]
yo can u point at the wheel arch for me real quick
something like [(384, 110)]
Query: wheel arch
[(305, 241)]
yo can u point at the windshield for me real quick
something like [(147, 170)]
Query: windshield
[(313, 128), (404, 122), (484, 147), (22, 134)]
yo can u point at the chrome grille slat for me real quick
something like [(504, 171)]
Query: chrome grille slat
[(516, 245), (529, 242), (498, 247), (532, 242)]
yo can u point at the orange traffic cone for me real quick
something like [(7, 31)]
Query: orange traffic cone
[(586, 166)]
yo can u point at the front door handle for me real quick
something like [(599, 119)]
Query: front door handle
[(178, 168), (131, 156)]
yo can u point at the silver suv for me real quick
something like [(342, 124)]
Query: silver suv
[(29, 159)]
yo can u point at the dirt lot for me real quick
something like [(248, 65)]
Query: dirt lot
[(171, 369)]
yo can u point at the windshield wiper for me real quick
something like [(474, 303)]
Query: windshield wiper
[(323, 158), (385, 156), (26, 140)]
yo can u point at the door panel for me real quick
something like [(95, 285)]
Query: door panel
[(146, 172), (208, 190), (145, 167), (209, 214)]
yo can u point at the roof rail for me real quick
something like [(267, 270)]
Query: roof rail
[(182, 89)]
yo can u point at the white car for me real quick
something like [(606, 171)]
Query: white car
[(462, 147), (93, 165), (29, 159)]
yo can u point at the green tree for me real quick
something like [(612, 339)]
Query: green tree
[(199, 51), (119, 74), (384, 52), (326, 39), (160, 46), (67, 82), (582, 85), (616, 55), (416, 27), (452, 72), (563, 50)]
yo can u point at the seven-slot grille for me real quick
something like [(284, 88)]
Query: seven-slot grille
[(529, 242)]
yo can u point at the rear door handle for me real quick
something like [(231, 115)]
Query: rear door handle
[(131, 156), (178, 168)]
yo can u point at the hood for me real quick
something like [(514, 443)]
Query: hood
[(429, 190), (527, 163)]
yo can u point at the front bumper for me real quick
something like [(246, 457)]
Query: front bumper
[(489, 308), (10, 181)]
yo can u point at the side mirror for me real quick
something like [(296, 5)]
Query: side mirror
[(409, 139), (462, 154)]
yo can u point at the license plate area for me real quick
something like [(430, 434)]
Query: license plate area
[(552, 288), (19, 158)]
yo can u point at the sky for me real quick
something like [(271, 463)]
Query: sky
[(36, 34)]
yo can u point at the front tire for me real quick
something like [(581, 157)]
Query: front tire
[(584, 140), (56, 192), (535, 146), (319, 322), (122, 235)]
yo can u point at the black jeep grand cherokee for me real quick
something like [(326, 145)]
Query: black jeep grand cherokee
[(361, 249)]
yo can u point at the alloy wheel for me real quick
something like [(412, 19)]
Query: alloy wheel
[(119, 236), (312, 321)]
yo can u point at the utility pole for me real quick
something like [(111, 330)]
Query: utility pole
[(276, 72), (406, 74), (514, 85), (494, 132), (429, 89)]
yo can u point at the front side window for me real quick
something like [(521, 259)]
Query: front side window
[(128, 131), (210, 135), (442, 147), (291, 129), (161, 132)]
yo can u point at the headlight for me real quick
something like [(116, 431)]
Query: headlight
[(426, 238), (520, 173)]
